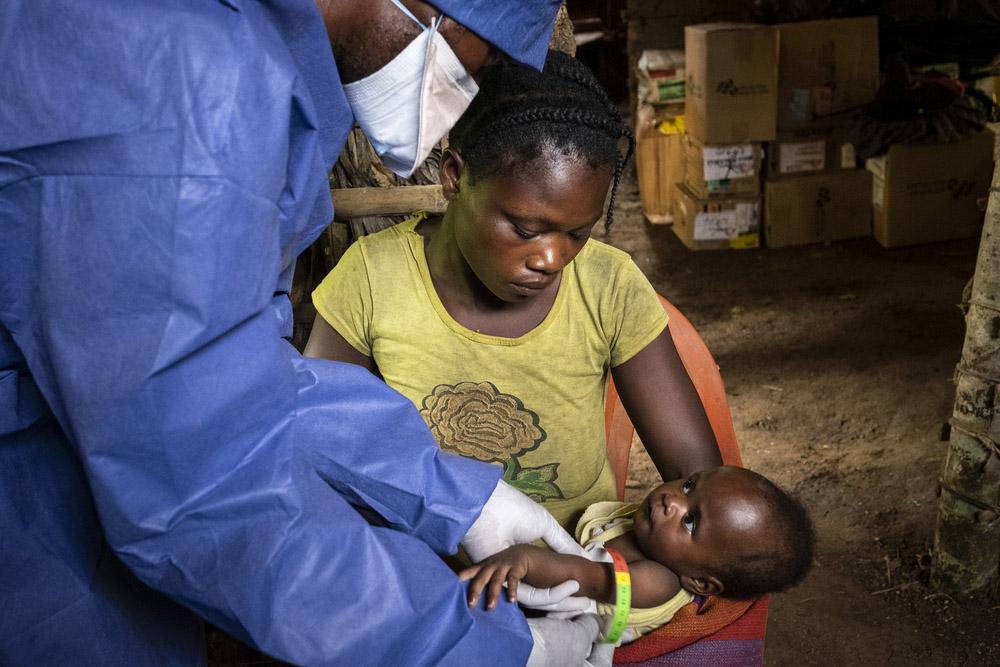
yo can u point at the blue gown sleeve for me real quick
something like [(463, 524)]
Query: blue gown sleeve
[(140, 267), (222, 462)]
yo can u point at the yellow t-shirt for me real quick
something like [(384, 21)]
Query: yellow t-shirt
[(533, 404)]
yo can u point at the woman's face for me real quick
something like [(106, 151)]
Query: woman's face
[(518, 231)]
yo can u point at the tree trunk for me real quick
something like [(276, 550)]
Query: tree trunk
[(967, 537)]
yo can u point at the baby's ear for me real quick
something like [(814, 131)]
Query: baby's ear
[(707, 585), (450, 172)]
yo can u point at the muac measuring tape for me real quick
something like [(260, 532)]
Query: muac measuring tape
[(623, 597)]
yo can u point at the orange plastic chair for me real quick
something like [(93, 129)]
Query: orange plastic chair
[(697, 633)]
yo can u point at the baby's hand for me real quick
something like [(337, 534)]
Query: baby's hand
[(509, 566)]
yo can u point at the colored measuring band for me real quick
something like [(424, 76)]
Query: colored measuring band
[(623, 597)]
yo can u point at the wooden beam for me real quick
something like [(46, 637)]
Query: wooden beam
[(358, 202)]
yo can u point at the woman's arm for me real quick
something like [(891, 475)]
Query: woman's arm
[(668, 415), (326, 343)]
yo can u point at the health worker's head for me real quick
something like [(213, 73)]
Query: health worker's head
[(365, 36), (409, 67)]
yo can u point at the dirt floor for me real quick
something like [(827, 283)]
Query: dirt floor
[(838, 363)]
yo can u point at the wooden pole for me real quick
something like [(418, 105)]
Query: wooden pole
[(967, 538), (357, 202)]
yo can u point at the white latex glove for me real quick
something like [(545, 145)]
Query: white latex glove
[(556, 599), (509, 517), (601, 655), (564, 643)]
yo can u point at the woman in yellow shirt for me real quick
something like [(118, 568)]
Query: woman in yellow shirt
[(501, 319)]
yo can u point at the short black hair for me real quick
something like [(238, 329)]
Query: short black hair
[(522, 116), (788, 559)]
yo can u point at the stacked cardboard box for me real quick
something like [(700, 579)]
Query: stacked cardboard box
[(720, 170), (931, 192), (731, 109), (716, 223), (827, 68), (659, 130), (809, 150), (732, 77), (826, 207), (659, 159), (659, 24), (814, 191)]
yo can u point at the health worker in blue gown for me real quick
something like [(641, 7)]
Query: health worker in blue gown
[(165, 454)]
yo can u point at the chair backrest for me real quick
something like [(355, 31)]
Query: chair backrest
[(707, 381)]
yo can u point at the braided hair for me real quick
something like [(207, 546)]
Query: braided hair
[(521, 116)]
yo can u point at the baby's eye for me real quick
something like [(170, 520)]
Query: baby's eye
[(689, 521), (688, 485)]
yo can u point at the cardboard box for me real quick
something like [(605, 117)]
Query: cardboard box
[(809, 150), (659, 161), (712, 171), (826, 68), (718, 223), (817, 208), (927, 193), (659, 24), (732, 79)]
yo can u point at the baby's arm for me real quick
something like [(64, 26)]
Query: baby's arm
[(652, 583), (540, 568)]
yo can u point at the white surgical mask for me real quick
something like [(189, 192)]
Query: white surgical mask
[(406, 106)]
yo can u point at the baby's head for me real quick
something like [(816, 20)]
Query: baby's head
[(726, 531)]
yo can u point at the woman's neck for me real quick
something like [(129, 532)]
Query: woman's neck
[(454, 280), (466, 298)]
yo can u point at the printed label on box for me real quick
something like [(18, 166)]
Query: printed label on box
[(725, 225), (802, 156), (667, 89), (728, 162), (876, 165), (718, 226), (848, 158), (878, 190), (746, 217)]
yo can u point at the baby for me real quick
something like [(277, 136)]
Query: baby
[(725, 531)]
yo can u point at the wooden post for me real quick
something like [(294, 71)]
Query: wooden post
[(967, 538), (357, 202)]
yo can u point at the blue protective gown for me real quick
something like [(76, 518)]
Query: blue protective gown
[(162, 164)]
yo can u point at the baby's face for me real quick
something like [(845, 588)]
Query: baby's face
[(699, 523)]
